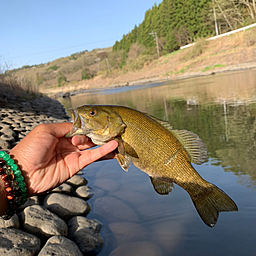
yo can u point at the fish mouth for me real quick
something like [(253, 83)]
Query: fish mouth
[(78, 124)]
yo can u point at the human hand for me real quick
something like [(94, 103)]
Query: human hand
[(47, 159)]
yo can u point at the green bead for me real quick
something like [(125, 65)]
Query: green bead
[(23, 201), (24, 195), (6, 157), (23, 189), (10, 162), (19, 178), (22, 184), (14, 167), (2, 153), (17, 173)]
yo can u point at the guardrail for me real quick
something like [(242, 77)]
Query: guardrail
[(225, 34)]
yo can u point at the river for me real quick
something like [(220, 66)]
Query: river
[(221, 109)]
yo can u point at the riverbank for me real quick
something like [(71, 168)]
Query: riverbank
[(232, 53), (74, 90), (52, 223)]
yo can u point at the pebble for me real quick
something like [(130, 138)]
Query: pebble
[(77, 180), (64, 189), (41, 222), (125, 232), (85, 233), (15, 242), (13, 222), (84, 192), (60, 246), (137, 249), (114, 210), (65, 206)]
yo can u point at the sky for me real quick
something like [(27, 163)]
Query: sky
[(36, 31)]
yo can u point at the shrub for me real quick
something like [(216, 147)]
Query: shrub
[(53, 68), (85, 74), (61, 79)]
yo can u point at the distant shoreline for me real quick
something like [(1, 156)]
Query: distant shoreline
[(55, 93)]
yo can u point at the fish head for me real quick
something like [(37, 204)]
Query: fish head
[(100, 123)]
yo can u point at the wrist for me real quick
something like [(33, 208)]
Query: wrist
[(13, 185), (3, 199)]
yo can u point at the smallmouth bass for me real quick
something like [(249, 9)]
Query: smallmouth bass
[(165, 154)]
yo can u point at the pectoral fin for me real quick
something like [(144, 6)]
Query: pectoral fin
[(162, 187), (123, 159)]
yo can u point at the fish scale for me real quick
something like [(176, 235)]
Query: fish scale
[(155, 148)]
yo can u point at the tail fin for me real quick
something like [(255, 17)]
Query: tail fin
[(210, 205)]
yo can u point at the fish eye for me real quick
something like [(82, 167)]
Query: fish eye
[(92, 112)]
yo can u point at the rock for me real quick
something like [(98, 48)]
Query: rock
[(65, 206), (114, 210), (107, 184), (64, 189), (137, 249), (15, 242), (131, 197), (60, 246), (38, 220), (125, 232), (77, 181), (4, 144), (13, 222), (85, 233), (167, 234), (84, 192), (33, 200)]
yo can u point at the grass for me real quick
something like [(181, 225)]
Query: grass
[(169, 73), (218, 66), (195, 50), (11, 86), (207, 68)]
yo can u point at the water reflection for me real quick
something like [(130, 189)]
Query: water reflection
[(221, 109)]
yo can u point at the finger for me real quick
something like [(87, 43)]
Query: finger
[(56, 129), (90, 156), (108, 156)]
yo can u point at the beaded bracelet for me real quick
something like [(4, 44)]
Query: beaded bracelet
[(15, 187)]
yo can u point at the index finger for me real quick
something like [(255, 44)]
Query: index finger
[(92, 155)]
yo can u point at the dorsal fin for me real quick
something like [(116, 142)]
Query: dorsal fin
[(193, 145), (165, 124)]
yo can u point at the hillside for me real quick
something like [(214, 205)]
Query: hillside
[(233, 52)]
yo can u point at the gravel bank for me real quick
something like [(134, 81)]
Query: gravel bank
[(54, 223)]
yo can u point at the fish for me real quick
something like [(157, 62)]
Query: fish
[(157, 149)]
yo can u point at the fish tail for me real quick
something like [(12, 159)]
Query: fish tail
[(212, 202)]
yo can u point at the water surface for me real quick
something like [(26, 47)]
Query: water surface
[(221, 109)]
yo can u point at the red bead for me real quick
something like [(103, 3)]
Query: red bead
[(7, 183), (8, 190), (10, 196), (1, 171), (4, 177)]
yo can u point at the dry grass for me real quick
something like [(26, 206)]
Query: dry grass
[(195, 50), (11, 86)]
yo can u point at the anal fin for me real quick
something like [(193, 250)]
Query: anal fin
[(161, 187)]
